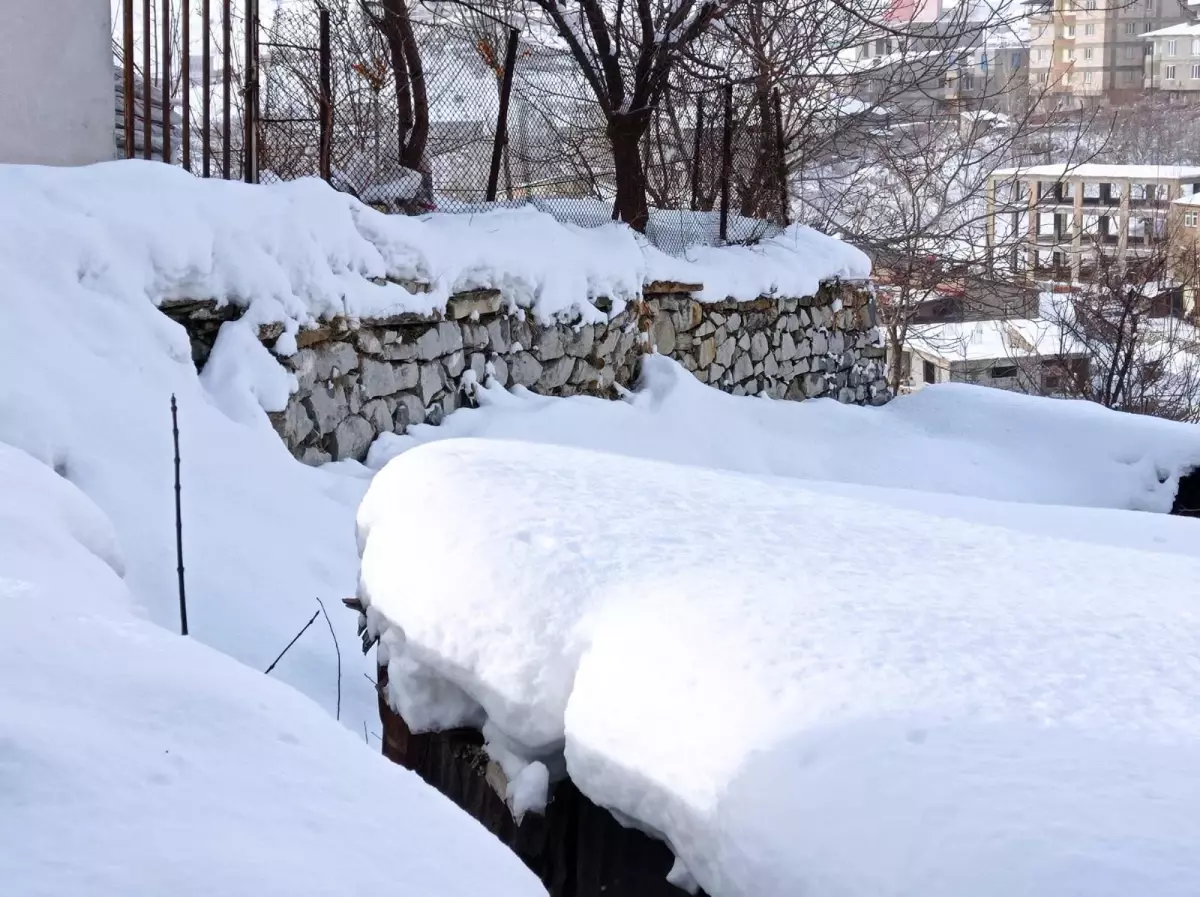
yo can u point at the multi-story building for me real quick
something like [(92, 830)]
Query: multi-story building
[(1093, 52), (1173, 66), (1050, 219)]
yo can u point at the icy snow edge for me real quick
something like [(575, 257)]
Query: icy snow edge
[(300, 251)]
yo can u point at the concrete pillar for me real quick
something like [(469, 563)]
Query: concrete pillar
[(1077, 237), (1032, 226), (57, 84)]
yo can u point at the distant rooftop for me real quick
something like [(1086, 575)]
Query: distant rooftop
[(1090, 171), (1183, 29)]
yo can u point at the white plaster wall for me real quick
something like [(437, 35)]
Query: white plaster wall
[(56, 82)]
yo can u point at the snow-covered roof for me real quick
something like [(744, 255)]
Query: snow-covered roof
[(1181, 30), (1093, 171), (993, 339), (722, 660)]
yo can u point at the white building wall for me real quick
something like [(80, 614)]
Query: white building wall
[(56, 82)]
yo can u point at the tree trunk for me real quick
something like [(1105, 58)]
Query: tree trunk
[(625, 131)]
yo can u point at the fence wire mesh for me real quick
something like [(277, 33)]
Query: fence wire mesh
[(482, 116)]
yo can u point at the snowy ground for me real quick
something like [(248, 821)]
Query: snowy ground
[(134, 762), (805, 679)]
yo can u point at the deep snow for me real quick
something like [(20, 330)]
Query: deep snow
[(800, 691), (136, 763)]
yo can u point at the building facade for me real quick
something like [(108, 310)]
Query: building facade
[(1093, 52), (1173, 63), (1057, 220), (56, 82)]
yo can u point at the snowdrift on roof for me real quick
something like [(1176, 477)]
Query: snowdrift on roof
[(801, 692)]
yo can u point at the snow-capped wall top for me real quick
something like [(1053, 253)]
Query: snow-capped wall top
[(299, 251)]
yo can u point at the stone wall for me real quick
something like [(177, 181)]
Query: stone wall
[(358, 379)]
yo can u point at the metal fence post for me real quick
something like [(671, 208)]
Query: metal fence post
[(147, 88), (510, 63), (250, 94), (726, 162), (165, 73), (226, 77), (326, 99), (784, 199), (185, 78), (127, 75), (697, 147), (206, 78)]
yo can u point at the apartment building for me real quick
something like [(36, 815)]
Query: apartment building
[(1058, 219), (1093, 52), (1174, 61)]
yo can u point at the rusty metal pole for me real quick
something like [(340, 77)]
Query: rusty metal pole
[(166, 80), (227, 87), (250, 94), (206, 81), (781, 147), (326, 99), (185, 77), (147, 88), (697, 148), (726, 162), (506, 82), (127, 75)]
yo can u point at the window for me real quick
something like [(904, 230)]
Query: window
[(1091, 4), (1088, 53), (1132, 52), (1189, 219), (1067, 54), (1016, 60), (968, 81), (929, 372), (1069, 31), (1126, 77), (1172, 48), (1003, 372), (1196, 46), (1131, 27), (1089, 30), (1037, 55), (1147, 27), (1087, 77), (1195, 71), (1169, 72)]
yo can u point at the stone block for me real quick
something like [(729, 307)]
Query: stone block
[(475, 302), (352, 438)]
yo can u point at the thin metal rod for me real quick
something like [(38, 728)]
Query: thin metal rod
[(295, 639), (206, 80), (127, 76), (506, 82), (185, 38), (227, 88), (147, 89), (726, 162), (697, 148), (183, 626), (166, 80)]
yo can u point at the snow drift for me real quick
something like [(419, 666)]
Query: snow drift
[(137, 763), (801, 691)]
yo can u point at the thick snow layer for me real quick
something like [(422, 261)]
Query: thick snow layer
[(137, 763), (804, 691), (949, 439), (300, 250)]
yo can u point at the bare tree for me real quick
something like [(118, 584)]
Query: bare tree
[(394, 22), (626, 50)]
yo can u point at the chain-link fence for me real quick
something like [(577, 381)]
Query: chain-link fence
[(480, 116)]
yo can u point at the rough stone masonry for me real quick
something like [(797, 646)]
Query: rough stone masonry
[(358, 379)]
